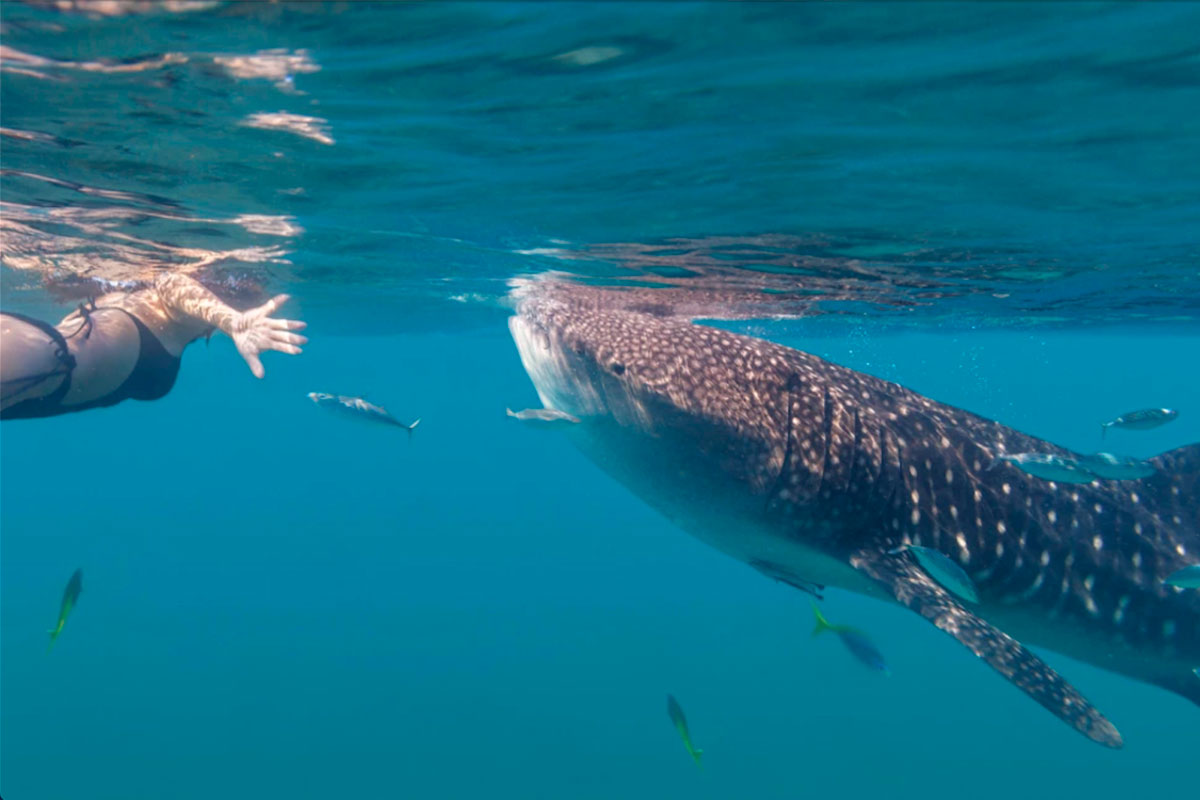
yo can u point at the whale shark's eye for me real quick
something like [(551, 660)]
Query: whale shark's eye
[(617, 367)]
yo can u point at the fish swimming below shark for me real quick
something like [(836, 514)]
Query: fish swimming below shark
[(818, 475)]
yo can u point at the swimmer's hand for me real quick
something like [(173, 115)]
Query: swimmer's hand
[(255, 330)]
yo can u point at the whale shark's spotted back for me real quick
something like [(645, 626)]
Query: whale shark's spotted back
[(855, 466)]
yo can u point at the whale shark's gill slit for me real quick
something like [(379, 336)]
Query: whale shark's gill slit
[(855, 443), (891, 465), (789, 434), (827, 439)]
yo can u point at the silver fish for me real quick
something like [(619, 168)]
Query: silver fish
[(1116, 468), (1142, 420), (1185, 578), (359, 409), (939, 567), (541, 415), (1049, 467)]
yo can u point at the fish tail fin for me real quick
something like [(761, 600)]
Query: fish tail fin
[(822, 624), (1104, 429), (53, 638), (509, 412), (412, 425), (696, 753)]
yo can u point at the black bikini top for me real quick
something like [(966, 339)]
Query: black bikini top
[(152, 377)]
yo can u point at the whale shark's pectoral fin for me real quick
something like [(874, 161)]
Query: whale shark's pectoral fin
[(914, 589)]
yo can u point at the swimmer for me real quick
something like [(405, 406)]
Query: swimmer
[(126, 345)]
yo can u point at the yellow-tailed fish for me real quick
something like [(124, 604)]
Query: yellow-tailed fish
[(680, 723), (855, 641), (70, 596)]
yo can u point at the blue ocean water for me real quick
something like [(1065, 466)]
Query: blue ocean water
[(993, 204)]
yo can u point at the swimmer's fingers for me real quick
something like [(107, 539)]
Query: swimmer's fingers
[(276, 337), (255, 364), (268, 308), (285, 343), (286, 324)]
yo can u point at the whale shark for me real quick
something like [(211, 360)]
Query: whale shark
[(821, 476)]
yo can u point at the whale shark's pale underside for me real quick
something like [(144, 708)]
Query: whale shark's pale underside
[(812, 473)]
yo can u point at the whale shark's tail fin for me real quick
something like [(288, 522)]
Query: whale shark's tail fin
[(912, 588)]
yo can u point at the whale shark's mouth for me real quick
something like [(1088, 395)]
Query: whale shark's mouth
[(585, 364), (558, 375)]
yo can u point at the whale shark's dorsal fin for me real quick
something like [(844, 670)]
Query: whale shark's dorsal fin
[(915, 590)]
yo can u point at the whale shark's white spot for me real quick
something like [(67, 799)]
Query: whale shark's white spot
[(978, 495), (945, 442), (916, 516), (954, 511), (1181, 550), (1004, 487), (999, 549), (1052, 515), (1089, 582), (916, 496), (1045, 559), (1137, 560), (962, 545), (1097, 543), (1099, 509), (1091, 606), (912, 470), (949, 477), (1137, 527), (1134, 497)]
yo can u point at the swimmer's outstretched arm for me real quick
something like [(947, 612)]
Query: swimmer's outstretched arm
[(186, 310)]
